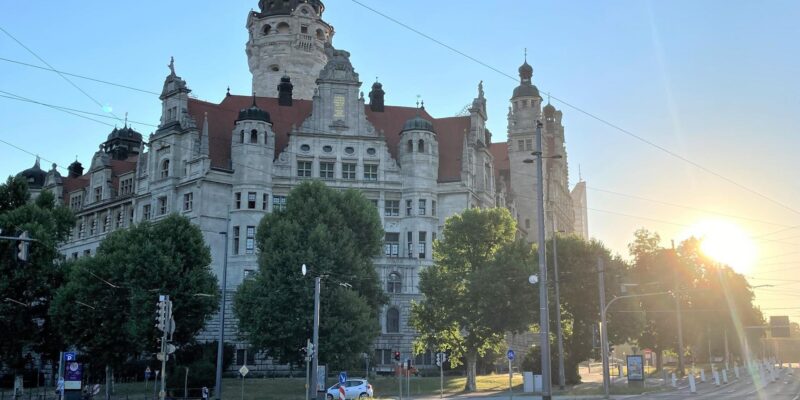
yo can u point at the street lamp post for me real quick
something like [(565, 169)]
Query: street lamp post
[(544, 315), (221, 338), (559, 334), (315, 352)]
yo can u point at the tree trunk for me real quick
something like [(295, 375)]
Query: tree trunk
[(659, 359), (472, 361)]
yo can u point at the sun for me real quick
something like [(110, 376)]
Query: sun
[(727, 243)]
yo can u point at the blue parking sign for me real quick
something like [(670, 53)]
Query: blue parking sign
[(342, 377), (69, 356)]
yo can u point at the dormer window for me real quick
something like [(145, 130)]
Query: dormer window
[(165, 168), (98, 193)]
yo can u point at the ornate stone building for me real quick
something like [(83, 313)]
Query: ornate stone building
[(239, 158)]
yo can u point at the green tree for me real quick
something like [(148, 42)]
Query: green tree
[(27, 288), (478, 289), (107, 308), (336, 234)]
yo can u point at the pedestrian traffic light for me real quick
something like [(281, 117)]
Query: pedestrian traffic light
[(23, 246), (397, 356), (161, 316)]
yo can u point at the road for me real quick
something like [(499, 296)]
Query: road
[(786, 387)]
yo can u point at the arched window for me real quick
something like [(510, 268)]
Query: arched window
[(165, 168), (267, 29), (241, 140), (421, 146), (283, 27), (254, 136), (395, 283), (320, 34), (393, 320), (410, 146)]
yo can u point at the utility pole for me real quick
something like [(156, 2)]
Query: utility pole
[(561, 376), (315, 354), (603, 329), (544, 315), (676, 296), (221, 338)]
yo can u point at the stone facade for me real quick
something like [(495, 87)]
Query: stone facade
[(226, 165)]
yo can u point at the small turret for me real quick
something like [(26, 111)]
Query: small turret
[(75, 169), (376, 97), (285, 91)]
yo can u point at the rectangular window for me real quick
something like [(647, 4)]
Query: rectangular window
[(528, 144), (370, 172), (422, 206), (433, 207), (349, 171), (187, 201), (264, 201), (235, 240), (146, 212), (87, 253), (391, 244), (162, 205), (93, 226), (410, 244), (237, 200), (422, 245), (278, 203), (249, 273), (98, 194), (251, 200), (383, 356), (409, 207), (391, 208), (75, 256), (126, 186), (326, 170), (521, 144), (75, 202), (304, 169), (247, 356), (250, 243)]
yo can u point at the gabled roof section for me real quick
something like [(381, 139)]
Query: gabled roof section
[(118, 168)]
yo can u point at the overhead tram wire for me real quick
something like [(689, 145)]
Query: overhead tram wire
[(69, 110), (31, 153), (587, 113), (99, 104)]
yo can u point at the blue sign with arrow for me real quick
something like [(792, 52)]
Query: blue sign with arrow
[(342, 377), (510, 355)]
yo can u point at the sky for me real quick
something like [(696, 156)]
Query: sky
[(679, 115)]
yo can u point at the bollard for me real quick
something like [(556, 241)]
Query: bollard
[(692, 384), (725, 376), (674, 380), (703, 375), (736, 371), (716, 378)]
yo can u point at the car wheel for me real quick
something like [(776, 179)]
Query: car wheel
[(363, 396)]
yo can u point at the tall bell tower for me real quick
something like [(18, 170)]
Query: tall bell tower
[(287, 37)]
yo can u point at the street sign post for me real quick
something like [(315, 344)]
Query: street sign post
[(440, 359), (342, 384), (510, 355), (243, 371)]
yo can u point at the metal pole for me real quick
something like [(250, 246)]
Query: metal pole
[(408, 379), (315, 355), (561, 376), (681, 371), (441, 377), (510, 374), (162, 394), (400, 378), (308, 369), (154, 385), (727, 351), (186, 384), (603, 330), (223, 288), (544, 316)]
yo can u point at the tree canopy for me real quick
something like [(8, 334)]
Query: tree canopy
[(336, 234), (27, 288), (107, 307), (478, 289)]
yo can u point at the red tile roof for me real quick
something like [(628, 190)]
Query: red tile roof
[(221, 118), (118, 167)]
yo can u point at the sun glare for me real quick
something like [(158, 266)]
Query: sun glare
[(727, 243)]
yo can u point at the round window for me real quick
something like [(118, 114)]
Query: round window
[(305, 147), (371, 151), (327, 149), (275, 68), (349, 150)]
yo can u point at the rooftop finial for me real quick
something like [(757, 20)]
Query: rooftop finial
[(171, 65), (480, 89), (37, 162), (228, 93), (526, 54), (580, 175), (126, 119)]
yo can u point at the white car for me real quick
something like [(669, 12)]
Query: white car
[(354, 388)]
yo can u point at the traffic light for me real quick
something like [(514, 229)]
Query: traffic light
[(23, 246), (161, 315), (310, 349), (397, 356), (408, 363)]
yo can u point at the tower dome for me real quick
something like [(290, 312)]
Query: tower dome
[(525, 71), (549, 110), (125, 133), (526, 88), (35, 176), (254, 113), (418, 124), (286, 7)]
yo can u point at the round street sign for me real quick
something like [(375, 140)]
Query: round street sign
[(510, 355)]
